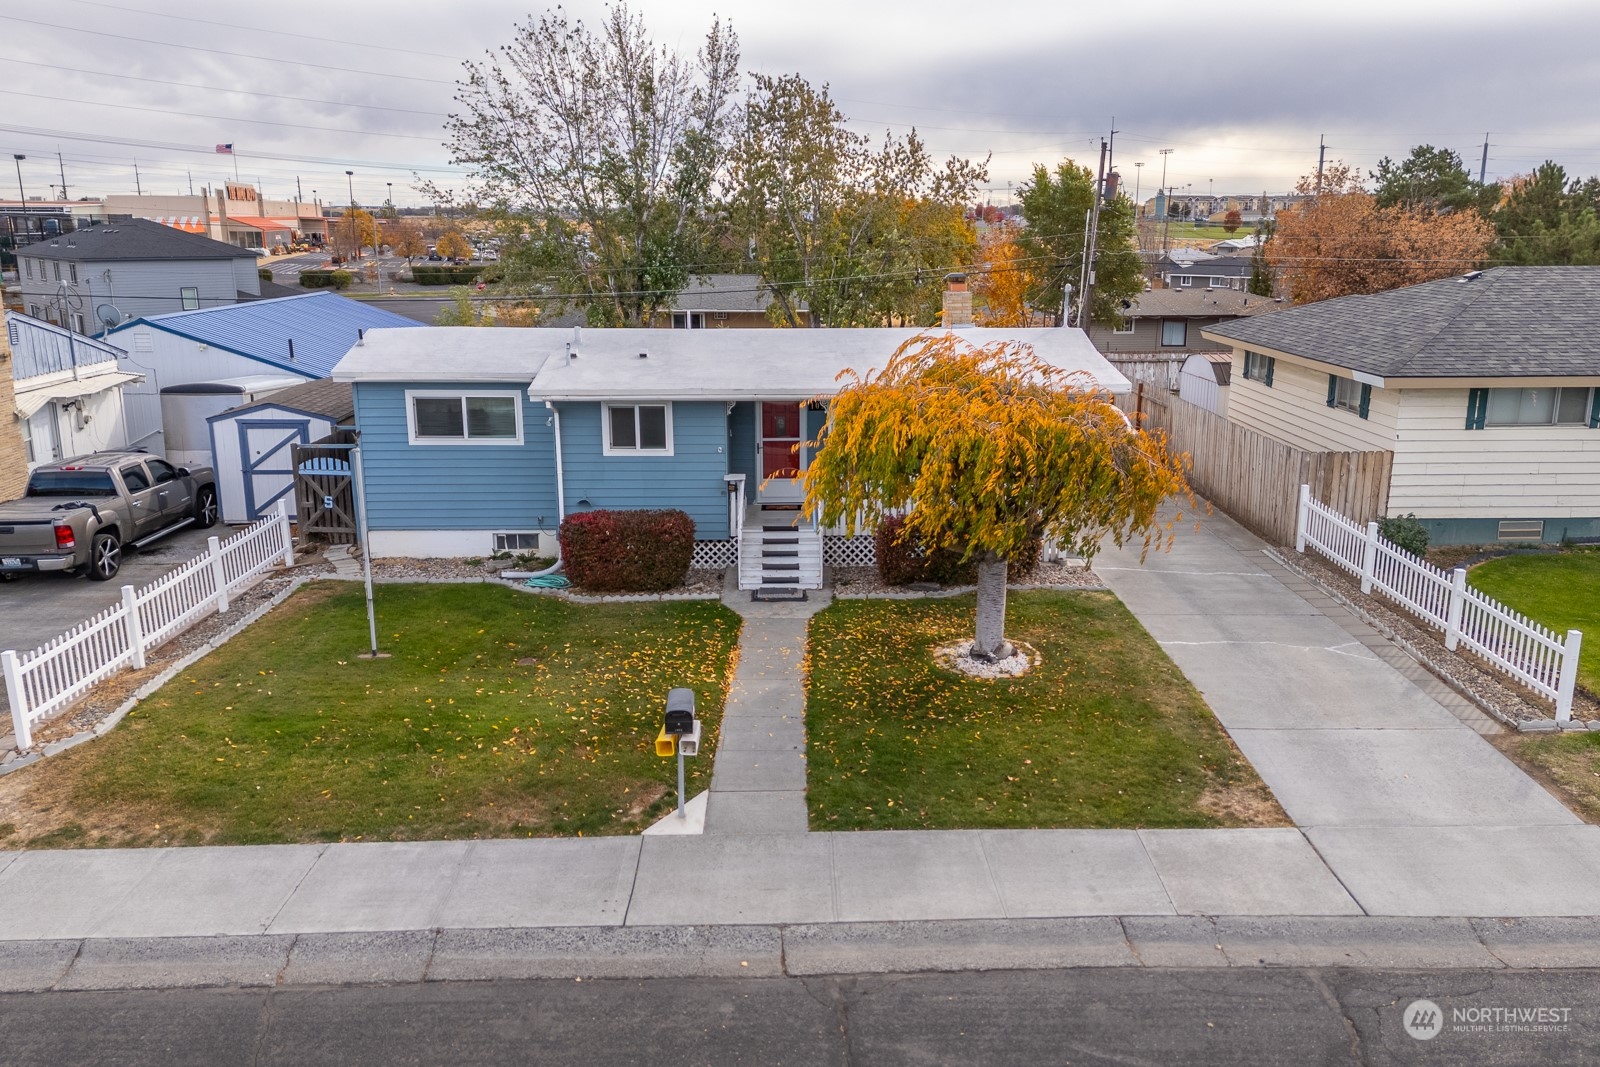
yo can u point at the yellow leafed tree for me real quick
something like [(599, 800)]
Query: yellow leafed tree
[(452, 245), (1000, 286), (991, 448)]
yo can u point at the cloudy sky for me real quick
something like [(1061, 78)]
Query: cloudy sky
[(1240, 91)]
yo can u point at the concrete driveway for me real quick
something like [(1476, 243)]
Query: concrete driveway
[(36, 607)]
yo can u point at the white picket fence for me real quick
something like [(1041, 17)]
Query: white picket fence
[(43, 682), (1532, 654)]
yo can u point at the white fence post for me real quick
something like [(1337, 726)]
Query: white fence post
[(130, 608), (1569, 676), (288, 535), (1301, 516), (218, 574), (1458, 601), (1369, 557), (19, 700)]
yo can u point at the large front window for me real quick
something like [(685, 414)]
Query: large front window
[(464, 418), (638, 429)]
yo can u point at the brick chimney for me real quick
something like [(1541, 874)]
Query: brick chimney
[(957, 302)]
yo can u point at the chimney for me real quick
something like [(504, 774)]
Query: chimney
[(957, 302)]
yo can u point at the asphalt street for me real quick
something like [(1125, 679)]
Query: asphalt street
[(1088, 1017)]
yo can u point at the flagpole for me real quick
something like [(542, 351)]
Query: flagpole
[(235, 153)]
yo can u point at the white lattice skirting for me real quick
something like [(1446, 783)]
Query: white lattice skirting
[(714, 555), (858, 551)]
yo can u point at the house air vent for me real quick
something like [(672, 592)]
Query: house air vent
[(516, 542), (1521, 530)]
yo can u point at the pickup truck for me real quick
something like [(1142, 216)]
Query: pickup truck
[(79, 514)]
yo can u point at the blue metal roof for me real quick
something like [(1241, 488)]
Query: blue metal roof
[(323, 327)]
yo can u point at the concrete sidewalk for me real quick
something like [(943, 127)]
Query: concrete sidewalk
[(1383, 768)]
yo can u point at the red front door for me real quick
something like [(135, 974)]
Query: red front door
[(782, 446)]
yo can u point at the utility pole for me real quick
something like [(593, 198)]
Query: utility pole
[(190, 175), (1138, 173), (1085, 291), (1165, 198), (137, 188), (297, 188), (1322, 155), (62, 164), (1483, 165)]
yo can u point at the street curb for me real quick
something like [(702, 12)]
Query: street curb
[(582, 953)]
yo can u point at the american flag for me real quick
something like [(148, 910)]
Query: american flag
[(224, 149)]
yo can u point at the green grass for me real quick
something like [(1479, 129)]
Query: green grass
[(1188, 231), (1559, 589), (500, 714), (1105, 733)]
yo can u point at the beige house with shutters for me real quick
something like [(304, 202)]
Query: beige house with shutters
[(1486, 388)]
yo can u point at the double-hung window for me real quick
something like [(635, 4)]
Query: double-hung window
[(1258, 368), (464, 418), (190, 295), (1124, 325), (1348, 394), (638, 430)]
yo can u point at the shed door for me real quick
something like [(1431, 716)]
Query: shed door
[(264, 453)]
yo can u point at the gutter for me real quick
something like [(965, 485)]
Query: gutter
[(561, 484)]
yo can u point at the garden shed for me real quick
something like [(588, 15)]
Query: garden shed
[(1203, 380), (253, 444)]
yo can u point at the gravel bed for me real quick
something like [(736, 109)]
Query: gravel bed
[(403, 569), (851, 583), (955, 657), (1497, 693)]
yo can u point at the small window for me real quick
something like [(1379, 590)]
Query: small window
[(1174, 332), (27, 441), (72, 268), (58, 270), (1183, 279), (1258, 368), (1124, 325), (688, 320), (29, 264), (134, 478), (191, 298), (457, 418), (632, 429), (162, 471), (1347, 394), (1538, 407), (79, 327), (516, 542), (1520, 530)]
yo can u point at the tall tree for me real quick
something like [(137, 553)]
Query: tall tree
[(1056, 206), (992, 449), (352, 231), (1547, 219), (1434, 179), (1261, 280), (1001, 279), (606, 149), (1342, 242), (406, 239)]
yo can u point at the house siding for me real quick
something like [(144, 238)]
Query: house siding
[(1442, 470), (136, 288), (742, 444), (691, 478), (1146, 337), (1295, 410), (454, 487)]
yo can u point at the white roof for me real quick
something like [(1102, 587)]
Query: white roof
[(727, 364)]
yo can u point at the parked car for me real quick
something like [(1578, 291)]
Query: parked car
[(79, 514)]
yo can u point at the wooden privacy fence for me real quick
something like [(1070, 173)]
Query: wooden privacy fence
[(324, 491), (45, 681), (1256, 479)]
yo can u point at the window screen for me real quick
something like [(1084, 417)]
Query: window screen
[(439, 416), (653, 427), (623, 432), (491, 416)]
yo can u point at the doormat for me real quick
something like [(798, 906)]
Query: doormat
[(780, 507)]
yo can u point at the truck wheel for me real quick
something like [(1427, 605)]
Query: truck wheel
[(105, 557), (205, 508)]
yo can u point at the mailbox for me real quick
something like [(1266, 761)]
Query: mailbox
[(680, 711), (689, 743), (666, 744)]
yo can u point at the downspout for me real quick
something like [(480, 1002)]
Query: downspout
[(561, 485)]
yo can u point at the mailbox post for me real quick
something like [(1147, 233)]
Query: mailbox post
[(680, 733)]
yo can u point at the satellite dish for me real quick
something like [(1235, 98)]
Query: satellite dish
[(110, 316)]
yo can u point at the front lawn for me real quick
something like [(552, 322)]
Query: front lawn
[(1559, 589), (500, 714), (1106, 733)]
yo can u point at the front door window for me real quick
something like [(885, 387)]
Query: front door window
[(780, 434)]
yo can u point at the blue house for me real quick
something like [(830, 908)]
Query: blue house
[(478, 440)]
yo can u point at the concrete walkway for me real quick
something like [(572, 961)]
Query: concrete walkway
[(758, 785), (1383, 768)]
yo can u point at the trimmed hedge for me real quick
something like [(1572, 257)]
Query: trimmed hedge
[(444, 275), (1407, 532), (264, 273), (627, 551), (902, 559), (326, 279)]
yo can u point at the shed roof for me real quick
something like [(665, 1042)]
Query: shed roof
[(134, 240), (323, 396), (322, 326), (729, 364), (1506, 322)]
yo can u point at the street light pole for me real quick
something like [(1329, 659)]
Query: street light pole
[(350, 180), (21, 195), (1166, 200), (1138, 173)]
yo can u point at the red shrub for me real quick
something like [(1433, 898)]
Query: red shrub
[(627, 551)]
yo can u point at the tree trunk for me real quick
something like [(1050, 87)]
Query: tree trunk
[(991, 643)]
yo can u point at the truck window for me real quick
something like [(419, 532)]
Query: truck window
[(162, 470), (71, 483), (134, 478)]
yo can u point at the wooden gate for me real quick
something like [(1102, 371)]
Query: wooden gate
[(325, 490), (1256, 479)]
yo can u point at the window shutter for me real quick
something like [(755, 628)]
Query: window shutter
[(1594, 411), (1366, 399), (1333, 389), (1271, 363), (1477, 408)]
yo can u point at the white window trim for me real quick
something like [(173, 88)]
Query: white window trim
[(1125, 325), (413, 395), (183, 297), (1183, 279), (605, 429)]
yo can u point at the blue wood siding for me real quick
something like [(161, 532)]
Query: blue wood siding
[(691, 478), (742, 444), (453, 487)]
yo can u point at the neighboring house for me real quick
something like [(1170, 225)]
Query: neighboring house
[(232, 355), (1485, 387), (475, 440), (1236, 244), (66, 392), (89, 278), (1169, 321), (253, 444), (1215, 272), (721, 301)]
